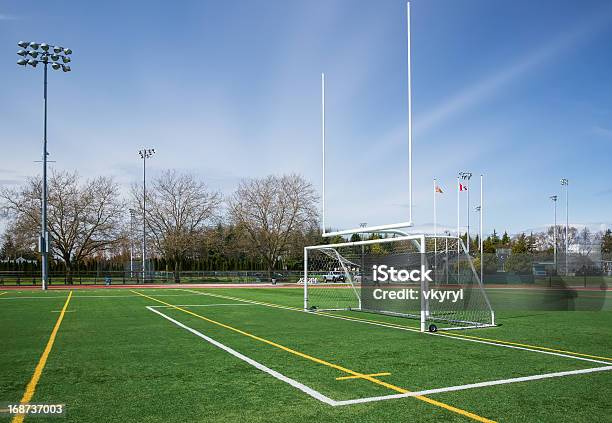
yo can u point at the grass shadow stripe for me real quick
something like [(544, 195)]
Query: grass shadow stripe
[(326, 363), (306, 389), (31, 387), (445, 334)]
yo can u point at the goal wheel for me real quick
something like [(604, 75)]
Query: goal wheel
[(433, 328)]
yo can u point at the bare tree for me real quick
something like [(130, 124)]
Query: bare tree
[(548, 240), (272, 211), (178, 209), (84, 218)]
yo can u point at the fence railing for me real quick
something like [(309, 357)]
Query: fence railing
[(30, 278)]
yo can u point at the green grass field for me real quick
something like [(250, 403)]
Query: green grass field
[(250, 355)]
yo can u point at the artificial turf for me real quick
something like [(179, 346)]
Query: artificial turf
[(114, 360)]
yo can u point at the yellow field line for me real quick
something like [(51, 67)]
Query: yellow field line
[(361, 377), (2, 293), (415, 329), (31, 388), (326, 363), (525, 345)]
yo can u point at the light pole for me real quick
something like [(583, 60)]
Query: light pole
[(565, 183), (57, 57), (554, 198), (466, 176), (479, 210), (145, 153), (132, 218), (362, 225)]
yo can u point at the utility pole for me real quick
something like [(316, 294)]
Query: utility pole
[(554, 198), (565, 183)]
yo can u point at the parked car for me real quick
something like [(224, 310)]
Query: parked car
[(334, 276)]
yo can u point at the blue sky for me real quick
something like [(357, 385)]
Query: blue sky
[(520, 91)]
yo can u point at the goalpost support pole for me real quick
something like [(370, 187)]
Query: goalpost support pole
[(424, 286), (409, 116), (305, 279)]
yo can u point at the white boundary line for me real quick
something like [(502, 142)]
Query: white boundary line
[(408, 329), (315, 394), (475, 385), (334, 403)]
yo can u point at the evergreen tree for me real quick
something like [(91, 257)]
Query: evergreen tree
[(9, 249), (606, 242), (494, 238), (505, 240), (520, 245)]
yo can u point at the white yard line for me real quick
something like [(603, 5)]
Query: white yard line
[(315, 394), (476, 385)]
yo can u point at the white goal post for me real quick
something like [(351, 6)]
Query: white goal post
[(429, 278)]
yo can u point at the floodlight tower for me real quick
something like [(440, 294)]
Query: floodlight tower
[(565, 183), (57, 57), (132, 218), (145, 154), (554, 198), (466, 176)]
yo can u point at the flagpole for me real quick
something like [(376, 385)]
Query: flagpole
[(467, 234), (481, 225), (458, 231), (435, 185), (435, 212)]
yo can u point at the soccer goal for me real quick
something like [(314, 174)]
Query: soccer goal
[(430, 278)]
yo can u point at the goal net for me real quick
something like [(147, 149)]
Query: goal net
[(430, 278)]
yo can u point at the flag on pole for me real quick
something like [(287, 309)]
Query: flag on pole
[(462, 187), (438, 189)]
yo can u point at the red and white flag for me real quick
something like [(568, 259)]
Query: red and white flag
[(462, 187)]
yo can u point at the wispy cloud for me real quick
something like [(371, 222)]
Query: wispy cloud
[(600, 130), (479, 92), (5, 17)]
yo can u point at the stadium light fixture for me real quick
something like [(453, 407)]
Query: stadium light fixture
[(46, 59), (145, 153), (565, 183)]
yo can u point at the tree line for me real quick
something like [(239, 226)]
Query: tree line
[(264, 224)]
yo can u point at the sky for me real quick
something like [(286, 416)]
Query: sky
[(519, 91)]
